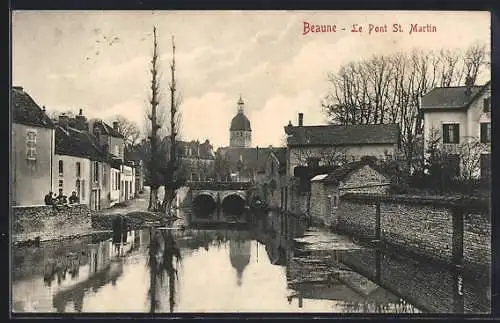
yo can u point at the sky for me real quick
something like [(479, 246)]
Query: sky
[(63, 60)]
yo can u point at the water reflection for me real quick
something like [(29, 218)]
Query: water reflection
[(162, 250), (262, 268)]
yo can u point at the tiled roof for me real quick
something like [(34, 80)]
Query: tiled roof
[(450, 97), (254, 158), (106, 129), (26, 111), (338, 135), (345, 170), (72, 142)]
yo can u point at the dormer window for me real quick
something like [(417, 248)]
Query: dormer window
[(487, 104)]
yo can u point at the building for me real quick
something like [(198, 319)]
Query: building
[(244, 164), (316, 150), (332, 144), (240, 131), (273, 178), (106, 161), (197, 159), (127, 185), (32, 150), (460, 118), (74, 153), (363, 176)]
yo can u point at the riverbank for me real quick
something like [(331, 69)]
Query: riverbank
[(34, 225)]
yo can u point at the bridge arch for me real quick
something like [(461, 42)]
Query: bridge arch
[(204, 202), (233, 203)]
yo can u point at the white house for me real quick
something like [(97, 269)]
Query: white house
[(459, 116), (72, 163)]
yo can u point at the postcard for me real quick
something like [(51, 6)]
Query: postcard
[(251, 161)]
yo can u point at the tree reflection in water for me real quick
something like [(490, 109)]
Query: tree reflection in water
[(162, 250)]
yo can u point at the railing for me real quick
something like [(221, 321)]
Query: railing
[(218, 186)]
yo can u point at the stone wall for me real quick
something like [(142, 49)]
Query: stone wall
[(429, 287), (422, 225), (318, 203), (49, 223), (425, 228), (477, 239), (356, 217)]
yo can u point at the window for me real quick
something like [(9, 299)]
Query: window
[(272, 168), (83, 189), (31, 145), (61, 168), (485, 134), (451, 132), (96, 172), (485, 164), (61, 186), (78, 169), (335, 201), (487, 104)]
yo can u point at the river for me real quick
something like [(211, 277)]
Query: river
[(274, 265)]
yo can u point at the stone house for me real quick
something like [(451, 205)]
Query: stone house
[(32, 150), (364, 176), (312, 149), (329, 144), (461, 117)]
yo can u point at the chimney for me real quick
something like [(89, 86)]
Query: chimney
[(257, 152), (81, 121), (469, 83), (63, 121), (43, 108), (301, 119), (115, 125)]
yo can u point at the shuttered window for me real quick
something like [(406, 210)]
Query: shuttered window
[(485, 134), (451, 133)]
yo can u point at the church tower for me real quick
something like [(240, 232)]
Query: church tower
[(240, 133)]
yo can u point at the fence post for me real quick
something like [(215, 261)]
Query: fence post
[(377, 220)]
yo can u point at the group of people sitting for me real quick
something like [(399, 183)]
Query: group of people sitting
[(61, 199)]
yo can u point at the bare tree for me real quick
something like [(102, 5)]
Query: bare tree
[(153, 126), (386, 89), (171, 172), (325, 157), (129, 130)]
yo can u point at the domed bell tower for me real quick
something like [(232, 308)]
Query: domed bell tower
[(240, 132)]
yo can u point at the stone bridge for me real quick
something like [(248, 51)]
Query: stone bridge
[(221, 196)]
